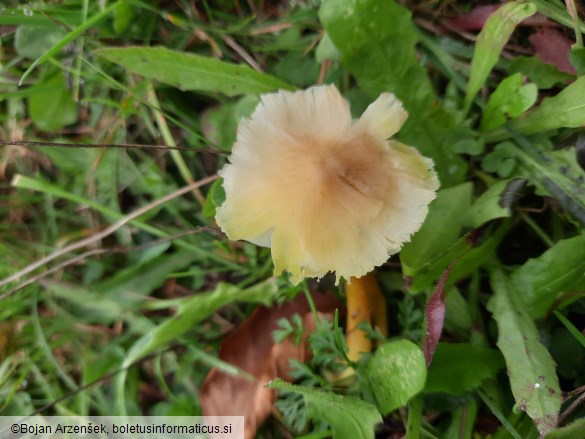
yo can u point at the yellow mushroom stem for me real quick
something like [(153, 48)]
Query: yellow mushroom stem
[(365, 303)]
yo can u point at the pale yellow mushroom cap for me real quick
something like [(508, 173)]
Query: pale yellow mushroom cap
[(326, 193)]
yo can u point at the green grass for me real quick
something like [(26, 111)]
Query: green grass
[(133, 285)]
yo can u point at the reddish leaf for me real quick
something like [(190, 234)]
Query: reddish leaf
[(552, 47), (474, 20), (435, 316), (252, 349)]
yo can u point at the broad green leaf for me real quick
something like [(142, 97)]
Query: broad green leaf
[(395, 374), (32, 41), (187, 71), (441, 228), (488, 206), (52, 108), (565, 110), (558, 270), (220, 124), (215, 198), (544, 75), (457, 368), (577, 57), (297, 69), (348, 416), (428, 273), (326, 50), (477, 255), (287, 40), (377, 45), (510, 99), (572, 431), (531, 368), (434, 132), (491, 40), (466, 139)]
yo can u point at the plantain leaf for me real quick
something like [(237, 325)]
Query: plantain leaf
[(531, 369), (187, 71), (542, 280)]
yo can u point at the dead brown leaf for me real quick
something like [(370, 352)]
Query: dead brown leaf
[(473, 20), (552, 47), (251, 348)]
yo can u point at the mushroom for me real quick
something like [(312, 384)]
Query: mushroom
[(326, 193)]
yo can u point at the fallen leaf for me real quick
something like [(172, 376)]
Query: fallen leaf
[(552, 47), (473, 20), (251, 348)]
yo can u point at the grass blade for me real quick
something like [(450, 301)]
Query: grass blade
[(67, 39), (571, 328)]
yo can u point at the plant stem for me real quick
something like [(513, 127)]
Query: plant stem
[(556, 12), (537, 229), (80, 46), (359, 309), (498, 414), (168, 139), (414, 417), (575, 17)]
